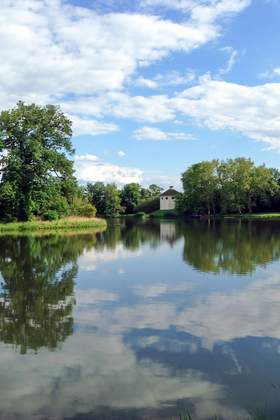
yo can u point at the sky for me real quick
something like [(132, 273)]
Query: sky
[(152, 86)]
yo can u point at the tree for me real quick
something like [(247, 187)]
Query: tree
[(131, 196), (155, 190), (96, 195), (243, 185), (200, 183), (112, 201), (35, 143)]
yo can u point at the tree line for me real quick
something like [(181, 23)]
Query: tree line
[(111, 201), (37, 176), (231, 186)]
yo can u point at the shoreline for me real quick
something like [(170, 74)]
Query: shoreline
[(68, 223)]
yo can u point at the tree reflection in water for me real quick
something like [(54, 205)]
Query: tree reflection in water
[(233, 247), (216, 246), (37, 288)]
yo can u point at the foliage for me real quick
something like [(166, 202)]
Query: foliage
[(232, 186), (37, 174), (200, 183), (131, 195), (148, 206), (54, 225), (105, 198), (96, 195), (167, 214), (113, 201)]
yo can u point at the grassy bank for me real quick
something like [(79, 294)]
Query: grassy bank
[(253, 216), (165, 214), (61, 224)]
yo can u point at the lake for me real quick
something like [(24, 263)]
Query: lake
[(148, 320)]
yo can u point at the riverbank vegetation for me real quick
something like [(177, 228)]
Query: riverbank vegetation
[(38, 183), (235, 186), (37, 175), (67, 223), (132, 199)]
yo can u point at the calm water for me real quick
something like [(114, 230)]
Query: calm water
[(144, 321)]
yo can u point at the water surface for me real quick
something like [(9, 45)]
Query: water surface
[(144, 321)]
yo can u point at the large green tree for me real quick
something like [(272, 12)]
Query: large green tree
[(37, 173), (200, 183), (112, 201), (131, 196), (96, 195)]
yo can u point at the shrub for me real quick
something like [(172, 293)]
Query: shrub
[(51, 215), (85, 210), (148, 206), (140, 214)]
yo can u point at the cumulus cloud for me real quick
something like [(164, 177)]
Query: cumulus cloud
[(155, 134), (250, 110), (52, 51), (86, 52), (164, 80), (91, 127), (206, 11), (89, 168)]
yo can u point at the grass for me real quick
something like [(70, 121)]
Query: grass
[(66, 223), (254, 216), (165, 214)]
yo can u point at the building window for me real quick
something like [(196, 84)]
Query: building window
[(166, 198), (173, 198), (162, 198)]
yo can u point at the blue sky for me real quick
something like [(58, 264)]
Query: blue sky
[(152, 86)]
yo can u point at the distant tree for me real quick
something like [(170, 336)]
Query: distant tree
[(155, 190), (200, 183), (243, 185), (112, 201), (131, 197), (35, 146), (96, 195)]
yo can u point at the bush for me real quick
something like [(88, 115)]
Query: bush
[(140, 214), (148, 206), (85, 210), (51, 215)]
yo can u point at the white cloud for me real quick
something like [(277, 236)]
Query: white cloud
[(206, 11), (89, 168), (52, 51), (148, 83), (86, 52), (270, 74), (233, 54), (121, 153), (83, 126), (164, 80), (250, 110), (155, 134)]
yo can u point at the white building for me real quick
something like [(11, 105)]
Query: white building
[(168, 199)]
